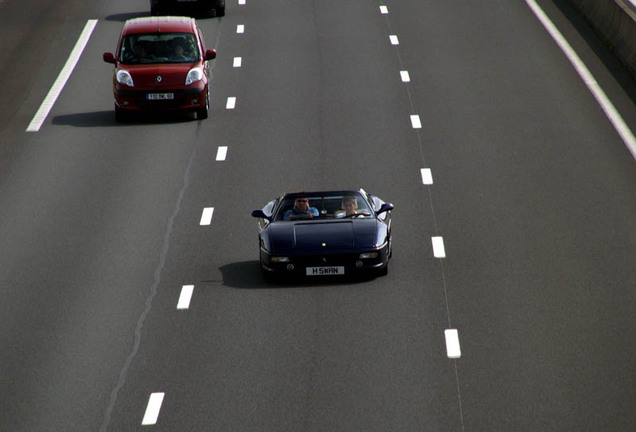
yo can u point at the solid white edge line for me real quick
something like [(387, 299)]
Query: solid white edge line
[(185, 297), (438, 247), (404, 75), (231, 103), (152, 410), (221, 153), (206, 216), (453, 350), (416, 122), (427, 176), (608, 107), (62, 78)]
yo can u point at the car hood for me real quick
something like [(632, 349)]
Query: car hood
[(322, 236), (171, 74)]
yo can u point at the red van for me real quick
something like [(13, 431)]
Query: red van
[(161, 64)]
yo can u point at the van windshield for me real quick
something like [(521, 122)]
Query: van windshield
[(159, 48)]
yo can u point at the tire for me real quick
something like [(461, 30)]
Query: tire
[(120, 116), (220, 9), (202, 113)]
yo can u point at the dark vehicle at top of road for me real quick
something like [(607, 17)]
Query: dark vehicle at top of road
[(161, 64), (204, 7), (325, 233)]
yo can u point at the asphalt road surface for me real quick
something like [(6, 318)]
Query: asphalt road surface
[(514, 225)]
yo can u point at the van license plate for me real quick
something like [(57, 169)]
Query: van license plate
[(160, 96)]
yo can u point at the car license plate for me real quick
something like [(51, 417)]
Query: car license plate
[(325, 271), (160, 96)]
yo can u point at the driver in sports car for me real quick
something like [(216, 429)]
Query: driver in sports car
[(301, 209), (350, 206)]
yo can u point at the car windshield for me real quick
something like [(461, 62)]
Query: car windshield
[(158, 48), (331, 206)]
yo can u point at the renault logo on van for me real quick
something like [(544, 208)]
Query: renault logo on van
[(159, 79)]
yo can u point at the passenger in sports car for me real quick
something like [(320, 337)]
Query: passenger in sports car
[(350, 206), (301, 210)]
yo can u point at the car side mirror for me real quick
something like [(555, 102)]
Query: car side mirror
[(384, 208), (109, 57), (261, 214), (210, 54)]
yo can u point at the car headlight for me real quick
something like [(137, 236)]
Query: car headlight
[(123, 77), (368, 255), (195, 74), (280, 259)]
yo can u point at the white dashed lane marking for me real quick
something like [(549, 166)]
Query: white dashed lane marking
[(185, 297), (416, 122), (394, 40), (206, 216), (238, 62), (384, 10), (153, 408), (453, 350), (231, 103), (221, 153), (404, 75), (240, 29), (427, 176), (438, 247)]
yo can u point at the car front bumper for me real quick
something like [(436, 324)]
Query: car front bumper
[(182, 99), (342, 264)]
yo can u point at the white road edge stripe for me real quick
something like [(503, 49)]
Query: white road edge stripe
[(185, 297), (610, 111), (60, 82), (153, 408), (438, 247), (427, 176), (206, 216), (453, 350), (221, 153)]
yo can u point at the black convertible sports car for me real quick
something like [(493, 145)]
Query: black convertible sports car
[(325, 233), (209, 7)]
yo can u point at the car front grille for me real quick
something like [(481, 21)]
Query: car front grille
[(326, 260)]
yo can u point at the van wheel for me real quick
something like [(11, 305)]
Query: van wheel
[(120, 116), (202, 113)]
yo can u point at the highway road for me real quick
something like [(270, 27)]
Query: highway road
[(514, 225)]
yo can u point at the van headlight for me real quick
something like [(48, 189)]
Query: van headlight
[(195, 74), (123, 77)]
